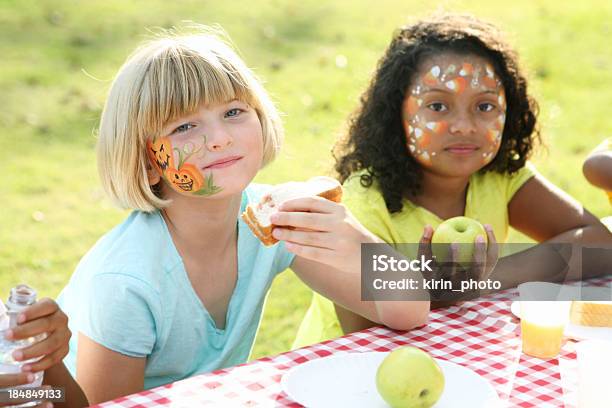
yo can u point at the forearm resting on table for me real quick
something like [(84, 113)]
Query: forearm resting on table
[(395, 314), (59, 376), (559, 259), (352, 322), (344, 289)]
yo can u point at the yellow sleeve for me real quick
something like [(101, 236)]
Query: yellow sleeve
[(368, 206), (516, 180)]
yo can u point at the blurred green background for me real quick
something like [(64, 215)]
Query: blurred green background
[(58, 58)]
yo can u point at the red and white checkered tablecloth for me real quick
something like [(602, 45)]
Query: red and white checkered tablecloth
[(481, 335)]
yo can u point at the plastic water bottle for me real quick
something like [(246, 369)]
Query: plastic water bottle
[(21, 296)]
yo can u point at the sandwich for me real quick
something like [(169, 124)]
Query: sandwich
[(594, 314), (257, 216)]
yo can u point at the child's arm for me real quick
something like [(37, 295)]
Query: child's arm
[(105, 374), (597, 169), (344, 288), (547, 214), (328, 249), (485, 259), (46, 317), (351, 322), (58, 375)]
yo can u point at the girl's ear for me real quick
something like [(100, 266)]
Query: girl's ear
[(152, 175)]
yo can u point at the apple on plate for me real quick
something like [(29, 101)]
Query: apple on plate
[(409, 377), (459, 230)]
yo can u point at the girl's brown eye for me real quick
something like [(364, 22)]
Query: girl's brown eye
[(486, 107), (437, 107)]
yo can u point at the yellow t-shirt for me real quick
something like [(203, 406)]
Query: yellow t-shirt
[(487, 201)]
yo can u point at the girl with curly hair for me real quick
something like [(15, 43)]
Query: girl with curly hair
[(445, 129)]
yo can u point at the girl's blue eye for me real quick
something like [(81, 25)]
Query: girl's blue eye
[(437, 107), (486, 107), (183, 128), (233, 112)]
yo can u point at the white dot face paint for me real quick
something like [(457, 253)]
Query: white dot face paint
[(454, 99)]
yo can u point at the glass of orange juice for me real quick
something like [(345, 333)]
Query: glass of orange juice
[(542, 326)]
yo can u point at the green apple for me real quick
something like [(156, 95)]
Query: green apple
[(460, 230), (409, 378)]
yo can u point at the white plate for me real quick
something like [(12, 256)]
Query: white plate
[(349, 380), (515, 308), (574, 331)]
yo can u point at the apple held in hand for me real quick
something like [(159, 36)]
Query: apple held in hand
[(409, 377), (460, 230)]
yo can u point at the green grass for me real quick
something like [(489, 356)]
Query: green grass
[(59, 57)]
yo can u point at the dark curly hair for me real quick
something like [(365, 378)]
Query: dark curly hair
[(376, 139)]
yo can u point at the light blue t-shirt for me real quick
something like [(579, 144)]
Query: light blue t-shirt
[(131, 294)]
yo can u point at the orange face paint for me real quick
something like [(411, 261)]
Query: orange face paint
[(467, 69), (456, 85), (492, 135), (160, 153), (431, 78), (437, 127), (453, 76), (185, 178), (413, 106)]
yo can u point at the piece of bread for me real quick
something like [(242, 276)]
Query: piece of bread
[(595, 314), (257, 216)]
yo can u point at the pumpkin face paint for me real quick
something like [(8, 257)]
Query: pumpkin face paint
[(221, 142), (186, 177), (454, 114), (160, 154)]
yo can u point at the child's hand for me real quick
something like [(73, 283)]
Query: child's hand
[(12, 380), (486, 253), (483, 262), (323, 231), (44, 316)]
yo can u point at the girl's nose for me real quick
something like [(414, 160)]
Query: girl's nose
[(218, 140), (463, 123)]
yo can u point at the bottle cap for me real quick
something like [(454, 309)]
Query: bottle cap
[(21, 296)]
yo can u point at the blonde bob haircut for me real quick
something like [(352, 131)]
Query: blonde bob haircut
[(165, 78)]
